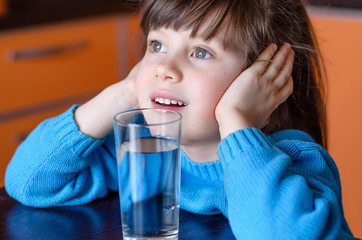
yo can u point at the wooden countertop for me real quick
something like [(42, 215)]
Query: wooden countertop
[(25, 13)]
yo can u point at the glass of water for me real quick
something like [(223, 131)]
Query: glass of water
[(148, 164)]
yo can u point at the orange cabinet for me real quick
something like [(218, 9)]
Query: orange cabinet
[(46, 69), (3, 7), (339, 34)]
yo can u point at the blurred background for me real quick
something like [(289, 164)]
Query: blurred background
[(54, 54)]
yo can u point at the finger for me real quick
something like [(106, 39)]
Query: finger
[(285, 72), (264, 59), (285, 91), (277, 63), (279, 97)]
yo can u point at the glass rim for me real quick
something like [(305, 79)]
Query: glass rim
[(123, 123)]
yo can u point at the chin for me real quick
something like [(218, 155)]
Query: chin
[(200, 140)]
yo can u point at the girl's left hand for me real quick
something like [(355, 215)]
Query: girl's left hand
[(257, 91)]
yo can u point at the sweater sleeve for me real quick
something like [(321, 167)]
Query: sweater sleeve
[(58, 165), (283, 191)]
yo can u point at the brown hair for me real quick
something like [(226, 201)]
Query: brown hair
[(252, 25)]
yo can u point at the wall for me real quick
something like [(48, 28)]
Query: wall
[(339, 32)]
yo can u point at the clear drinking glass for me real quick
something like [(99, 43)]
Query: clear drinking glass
[(148, 162)]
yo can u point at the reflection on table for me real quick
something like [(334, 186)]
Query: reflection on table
[(97, 220)]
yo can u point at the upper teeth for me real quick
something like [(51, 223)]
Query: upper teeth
[(167, 101)]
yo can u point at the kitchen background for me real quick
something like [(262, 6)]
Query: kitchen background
[(57, 53)]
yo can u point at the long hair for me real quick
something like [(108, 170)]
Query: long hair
[(253, 25)]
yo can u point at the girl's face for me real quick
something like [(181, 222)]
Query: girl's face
[(188, 75)]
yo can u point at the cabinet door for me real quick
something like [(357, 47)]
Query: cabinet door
[(15, 131), (44, 70), (340, 37), (53, 62)]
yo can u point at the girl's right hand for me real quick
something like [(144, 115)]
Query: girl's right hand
[(95, 117)]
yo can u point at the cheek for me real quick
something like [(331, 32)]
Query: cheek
[(143, 71), (144, 75), (206, 126), (211, 91)]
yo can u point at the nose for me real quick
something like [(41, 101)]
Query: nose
[(168, 70)]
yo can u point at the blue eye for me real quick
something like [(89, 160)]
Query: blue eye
[(201, 53), (156, 46)]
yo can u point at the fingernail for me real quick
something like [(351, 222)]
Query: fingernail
[(287, 47), (275, 47)]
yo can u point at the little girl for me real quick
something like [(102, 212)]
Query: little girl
[(246, 77)]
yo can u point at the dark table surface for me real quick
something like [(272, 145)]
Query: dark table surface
[(97, 220)]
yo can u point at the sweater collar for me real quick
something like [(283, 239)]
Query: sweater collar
[(210, 171)]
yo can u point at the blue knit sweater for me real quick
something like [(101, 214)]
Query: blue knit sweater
[(282, 186)]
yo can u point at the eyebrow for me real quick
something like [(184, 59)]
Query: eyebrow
[(216, 39)]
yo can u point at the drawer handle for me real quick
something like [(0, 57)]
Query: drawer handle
[(35, 53)]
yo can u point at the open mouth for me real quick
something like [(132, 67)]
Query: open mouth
[(169, 102)]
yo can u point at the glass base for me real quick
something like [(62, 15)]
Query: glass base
[(169, 237), (173, 237)]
